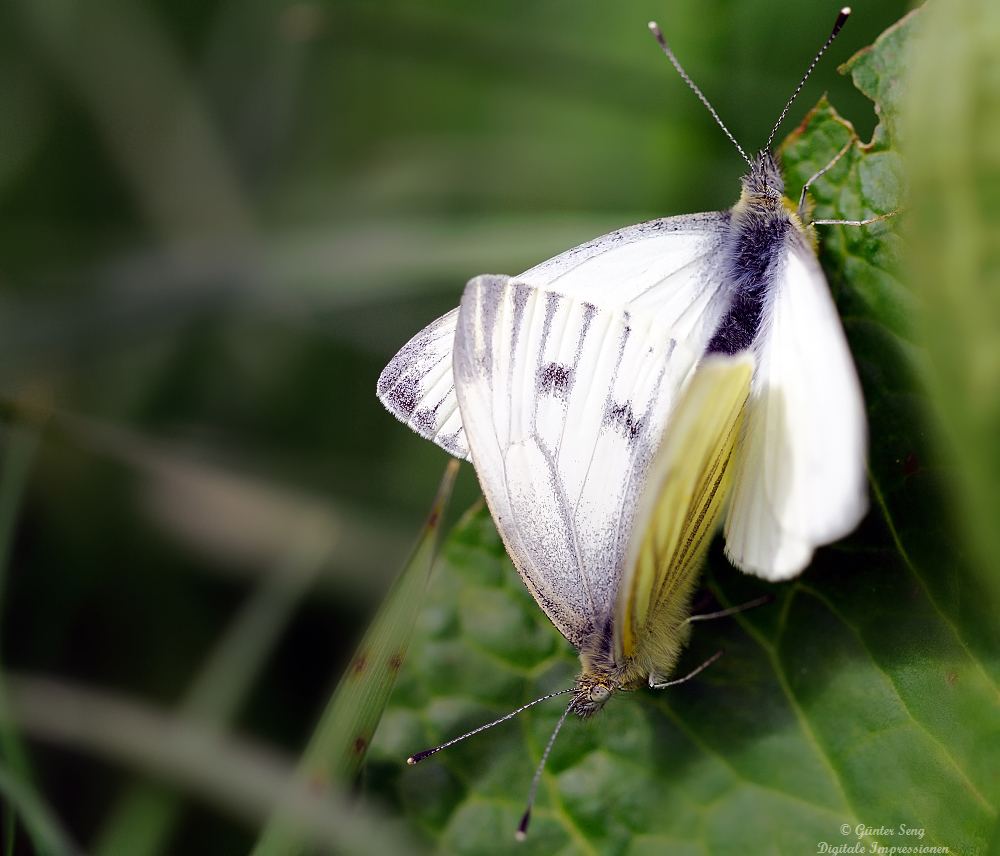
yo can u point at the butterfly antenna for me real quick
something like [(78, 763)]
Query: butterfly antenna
[(522, 829), (416, 759), (670, 55), (845, 13)]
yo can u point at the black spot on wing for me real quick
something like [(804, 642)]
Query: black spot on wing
[(428, 419), (551, 378), (402, 384), (619, 415), (555, 379), (623, 419)]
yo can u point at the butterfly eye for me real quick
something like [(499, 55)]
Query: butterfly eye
[(599, 693)]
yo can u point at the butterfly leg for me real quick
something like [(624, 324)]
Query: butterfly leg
[(806, 186), (722, 613), (657, 682), (830, 165), (856, 222)]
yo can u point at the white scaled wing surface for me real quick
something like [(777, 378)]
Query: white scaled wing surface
[(668, 270), (565, 400), (800, 477)]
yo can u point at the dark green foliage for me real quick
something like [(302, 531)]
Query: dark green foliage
[(218, 221), (953, 136), (867, 693)]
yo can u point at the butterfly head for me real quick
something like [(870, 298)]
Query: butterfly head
[(592, 692), (764, 180)]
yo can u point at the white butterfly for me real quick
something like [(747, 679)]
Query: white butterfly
[(614, 397), (569, 372)]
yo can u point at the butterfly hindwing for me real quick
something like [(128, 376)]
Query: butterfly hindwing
[(800, 477), (686, 489)]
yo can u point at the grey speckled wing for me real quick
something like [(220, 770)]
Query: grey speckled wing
[(417, 387), (650, 267), (565, 378)]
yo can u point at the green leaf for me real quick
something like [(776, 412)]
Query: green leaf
[(882, 72), (866, 698), (340, 742), (955, 132)]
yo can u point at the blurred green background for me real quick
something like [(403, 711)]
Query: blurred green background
[(218, 222)]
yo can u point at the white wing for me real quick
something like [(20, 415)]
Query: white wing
[(565, 377), (417, 386), (800, 478), (655, 268), (668, 269)]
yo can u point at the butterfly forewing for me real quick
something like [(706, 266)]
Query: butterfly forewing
[(800, 471), (418, 388), (667, 270)]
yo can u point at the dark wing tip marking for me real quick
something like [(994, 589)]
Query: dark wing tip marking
[(454, 443), (400, 395), (389, 378), (425, 420)]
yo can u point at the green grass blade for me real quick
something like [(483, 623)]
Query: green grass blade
[(337, 749), (141, 821), (44, 828), (21, 447), (16, 782), (243, 778)]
